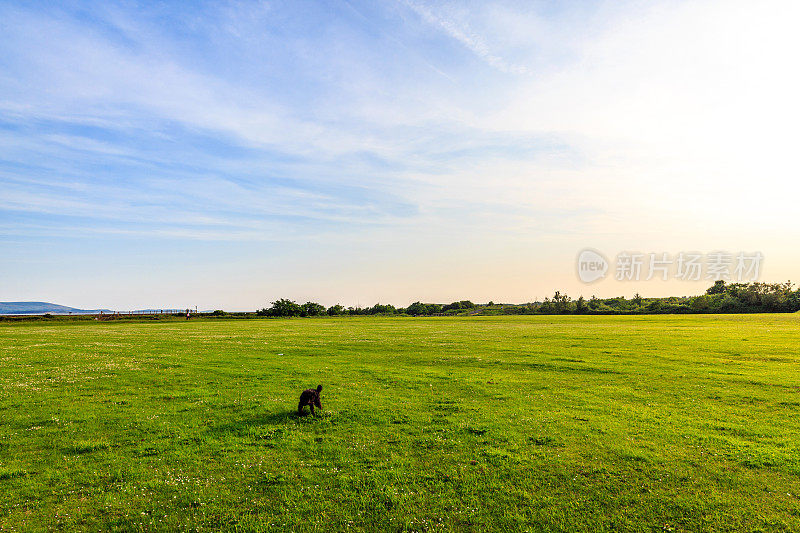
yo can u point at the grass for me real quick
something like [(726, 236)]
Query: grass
[(647, 423)]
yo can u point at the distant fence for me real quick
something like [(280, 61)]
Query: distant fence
[(102, 315)]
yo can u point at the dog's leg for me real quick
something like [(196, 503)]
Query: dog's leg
[(311, 405), (300, 409)]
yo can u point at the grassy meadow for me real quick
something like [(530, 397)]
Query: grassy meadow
[(644, 423)]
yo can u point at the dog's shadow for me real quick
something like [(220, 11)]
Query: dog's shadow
[(264, 420)]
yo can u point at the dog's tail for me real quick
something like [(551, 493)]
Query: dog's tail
[(319, 388)]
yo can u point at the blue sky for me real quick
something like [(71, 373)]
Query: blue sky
[(225, 154)]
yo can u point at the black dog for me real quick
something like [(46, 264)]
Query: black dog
[(310, 397)]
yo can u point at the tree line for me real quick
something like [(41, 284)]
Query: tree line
[(289, 308), (721, 297)]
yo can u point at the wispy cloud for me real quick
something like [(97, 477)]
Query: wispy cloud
[(384, 132), (468, 38)]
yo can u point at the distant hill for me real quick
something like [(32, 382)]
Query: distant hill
[(40, 308)]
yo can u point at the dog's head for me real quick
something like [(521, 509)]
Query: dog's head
[(316, 397)]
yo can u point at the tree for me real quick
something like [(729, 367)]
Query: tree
[(717, 288), (561, 303), (458, 306), (379, 309), (312, 309), (336, 310), (700, 303), (282, 307), (655, 306), (419, 308)]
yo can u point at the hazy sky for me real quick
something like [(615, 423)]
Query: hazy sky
[(227, 154)]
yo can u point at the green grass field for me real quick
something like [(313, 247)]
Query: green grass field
[(647, 423)]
